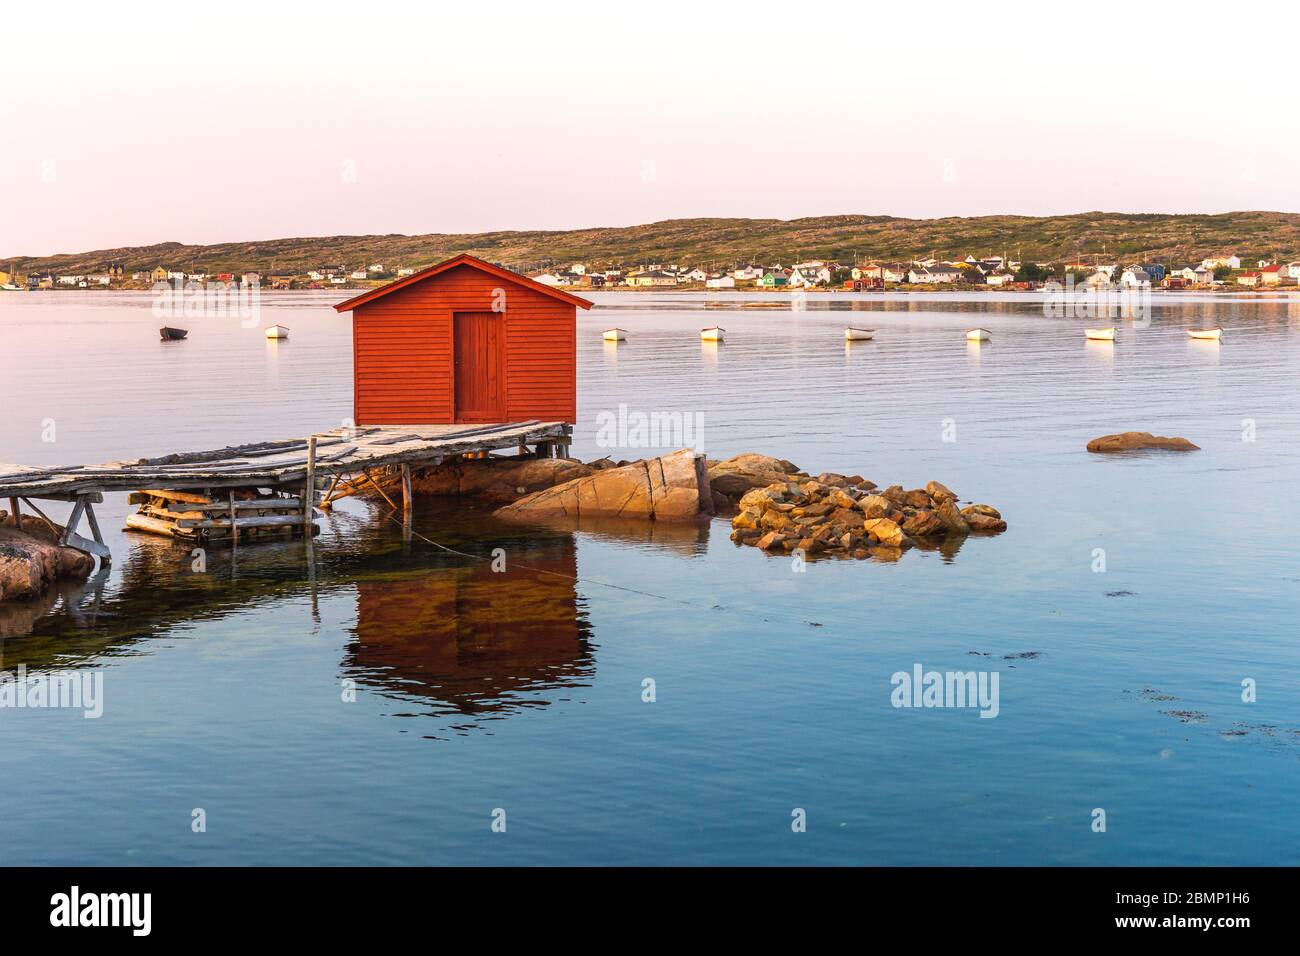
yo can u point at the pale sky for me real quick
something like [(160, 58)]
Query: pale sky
[(245, 121)]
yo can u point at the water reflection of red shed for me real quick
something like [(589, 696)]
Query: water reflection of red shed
[(474, 638), (464, 341)]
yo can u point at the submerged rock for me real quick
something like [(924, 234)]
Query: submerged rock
[(1133, 441), (669, 488)]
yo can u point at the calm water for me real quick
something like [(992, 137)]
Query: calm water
[(477, 691)]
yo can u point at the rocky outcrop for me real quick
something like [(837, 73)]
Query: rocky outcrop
[(1134, 441), (491, 479), (813, 516), (673, 487), (32, 560)]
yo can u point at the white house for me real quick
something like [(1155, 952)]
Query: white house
[(405, 271), (935, 274), (1271, 275), (721, 282), (578, 268), (999, 278), (1293, 270), (1203, 276), (694, 275), (1221, 262), (377, 267), (314, 276), (1135, 279), (359, 274), (250, 278), (750, 273), (809, 275)]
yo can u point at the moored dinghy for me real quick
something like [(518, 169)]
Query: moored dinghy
[(852, 334), (614, 335), (1100, 335), (277, 332), (978, 335), (1211, 335), (713, 334), (169, 334)]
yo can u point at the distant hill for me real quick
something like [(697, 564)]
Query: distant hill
[(722, 242)]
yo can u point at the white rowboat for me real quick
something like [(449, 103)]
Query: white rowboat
[(614, 335), (1100, 335), (978, 335), (712, 335), (277, 332), (858, 335), (1211, 334)]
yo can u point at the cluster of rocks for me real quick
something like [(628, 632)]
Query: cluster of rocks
[(847, 516), (776, 506)]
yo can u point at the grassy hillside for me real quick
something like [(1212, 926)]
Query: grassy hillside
[(721, 242)]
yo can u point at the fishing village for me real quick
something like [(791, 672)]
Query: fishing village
[(449, 400)]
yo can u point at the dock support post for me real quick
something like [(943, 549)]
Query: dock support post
[(71, 539), (407, 504), (309, 493), (234, 525), (107, 557), (18, 515)]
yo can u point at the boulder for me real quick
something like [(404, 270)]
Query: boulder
[(742, 473), (984, 523), (883, 531), (988, 510), (924, 524), (875, 506), (669, 488), (1133, 441), (939, 491), (760, 499), (841, 499), (773, 520), (32, 560), (952, 518), (917, 498)]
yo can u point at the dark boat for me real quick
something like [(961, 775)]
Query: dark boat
[(168, 334)]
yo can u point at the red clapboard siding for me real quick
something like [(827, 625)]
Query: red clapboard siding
[(404, 342)]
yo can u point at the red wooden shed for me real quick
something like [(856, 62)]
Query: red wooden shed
[(464, 341)]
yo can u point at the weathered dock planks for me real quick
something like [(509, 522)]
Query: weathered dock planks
[(264, 487), (279, 463)]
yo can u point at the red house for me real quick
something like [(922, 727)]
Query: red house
[(464, 341)]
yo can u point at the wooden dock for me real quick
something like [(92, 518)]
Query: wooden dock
[(267, 485)]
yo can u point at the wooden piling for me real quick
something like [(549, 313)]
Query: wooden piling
[(407, 505), (309, 493)]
